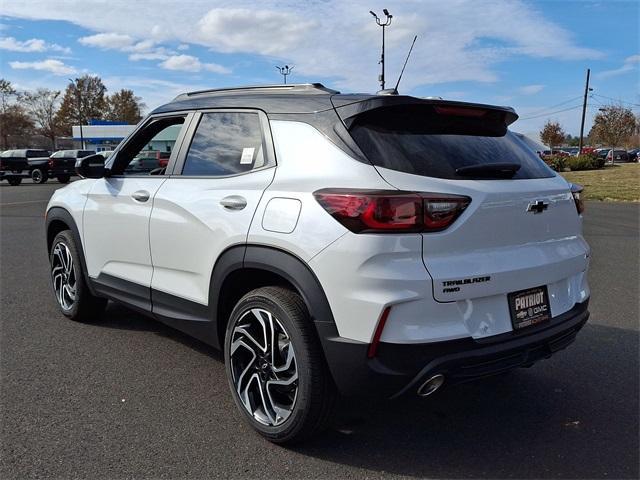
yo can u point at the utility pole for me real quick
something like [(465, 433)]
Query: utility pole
[(284, 71), (386, 23), (79, 101), (584, 109)]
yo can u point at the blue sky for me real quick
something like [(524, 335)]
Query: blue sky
[(531, 55)]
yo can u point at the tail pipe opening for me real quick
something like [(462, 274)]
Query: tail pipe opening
[(431, 385)]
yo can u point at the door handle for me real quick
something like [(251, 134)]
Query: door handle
[(140, 196), (233, 202)]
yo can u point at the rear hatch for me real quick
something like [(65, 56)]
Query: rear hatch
[(520, 228)]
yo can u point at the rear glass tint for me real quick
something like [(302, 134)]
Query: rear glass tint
[(37, 153), (417, 139)]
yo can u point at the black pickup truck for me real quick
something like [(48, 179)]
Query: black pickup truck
[(62, 164), (18, 164), (37, 164)]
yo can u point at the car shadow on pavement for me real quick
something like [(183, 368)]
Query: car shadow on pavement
[(120, 317), (573, 416)]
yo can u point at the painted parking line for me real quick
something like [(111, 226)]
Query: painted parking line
[(13, 204)]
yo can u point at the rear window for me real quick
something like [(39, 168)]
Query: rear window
[(37, 153), (421, 140)]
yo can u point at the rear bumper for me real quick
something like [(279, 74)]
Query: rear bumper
[(58, 171), (401, 368), (9, 174)]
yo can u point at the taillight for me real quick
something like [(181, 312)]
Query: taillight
[(50, 162), (390, 211), (576, 192)]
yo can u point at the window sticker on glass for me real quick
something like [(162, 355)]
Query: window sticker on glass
[(247, 156)]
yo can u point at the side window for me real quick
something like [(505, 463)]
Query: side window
[(225, 143), (145, 152)]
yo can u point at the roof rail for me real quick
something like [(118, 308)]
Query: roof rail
[(282, 88)]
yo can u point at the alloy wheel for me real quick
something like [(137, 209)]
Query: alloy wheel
[(264, 367), (63, 276)]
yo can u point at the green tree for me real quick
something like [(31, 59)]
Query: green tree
[(124, 106), (613, 126), (14, 119), (572, 141), (84, 99), (42, 104), (552, 134)]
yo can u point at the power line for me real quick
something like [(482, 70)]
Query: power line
[(616, 99), (545, 109), (551, 113)]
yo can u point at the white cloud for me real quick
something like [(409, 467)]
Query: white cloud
[(107, 41), (457, 40), (31, 45), (630, 64), (183, 46), (530, 89), (50, 65), (268, 32), (138, 50), (188, 63), (148, 56)]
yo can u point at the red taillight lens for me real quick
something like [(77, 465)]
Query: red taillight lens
[(50, 162), (365, 211), (576, 192), (440, 212)]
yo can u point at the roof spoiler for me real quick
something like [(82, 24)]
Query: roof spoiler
[(349, 111)]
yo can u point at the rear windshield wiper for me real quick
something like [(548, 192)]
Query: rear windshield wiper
[(501, 170)]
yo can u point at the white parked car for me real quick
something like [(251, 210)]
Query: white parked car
[(377, 245)]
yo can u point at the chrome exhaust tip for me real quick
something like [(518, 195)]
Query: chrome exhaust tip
[(431, 385)]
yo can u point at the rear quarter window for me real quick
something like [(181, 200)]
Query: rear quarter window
[(416, 139)]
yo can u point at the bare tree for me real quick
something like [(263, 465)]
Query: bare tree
[(43, 106), (612, 126), (552, 134)]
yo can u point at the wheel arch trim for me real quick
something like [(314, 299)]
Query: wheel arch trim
[(59, 214)]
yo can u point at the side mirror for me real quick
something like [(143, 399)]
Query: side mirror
[(91, 166)]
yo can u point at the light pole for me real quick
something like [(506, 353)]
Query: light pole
[(384, 24), (284, 71), (77, 93)]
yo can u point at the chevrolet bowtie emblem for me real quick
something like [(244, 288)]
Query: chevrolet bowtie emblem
[(537, 207)]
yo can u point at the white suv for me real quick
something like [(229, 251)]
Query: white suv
[(329, 243)]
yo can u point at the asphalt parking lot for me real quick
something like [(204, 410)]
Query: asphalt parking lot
[(129, 397)]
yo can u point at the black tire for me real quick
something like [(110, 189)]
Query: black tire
[(64, 178), (85, 306), (315, 391), (39, 175), (14, 181)]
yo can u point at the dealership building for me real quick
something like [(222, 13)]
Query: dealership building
[(104, 135)]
